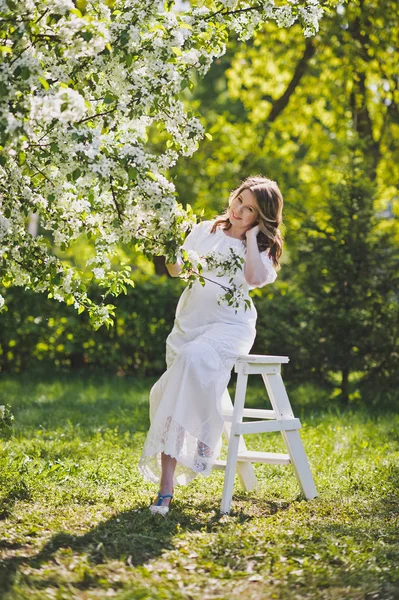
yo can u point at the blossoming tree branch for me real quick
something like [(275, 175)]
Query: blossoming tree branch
[(81, 86)]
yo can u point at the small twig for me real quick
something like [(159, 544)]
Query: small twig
[(18, 56), (41, 16), (144, 236), (14, 21), (103, 114), (120, 216), (211, 280), (39, 145), (231, 12), (41, 173)]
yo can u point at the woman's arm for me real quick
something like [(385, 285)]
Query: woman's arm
[(174, 268), (189, 244), (254, 271)]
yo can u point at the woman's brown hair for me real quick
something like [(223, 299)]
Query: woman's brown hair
[(270, 214)]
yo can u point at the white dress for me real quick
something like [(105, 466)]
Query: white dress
[(206, 339)]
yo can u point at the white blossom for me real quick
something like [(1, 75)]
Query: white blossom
[(66, 106), (4, 227), (67, 281), (193, 257), (80, 97), (98, 272)]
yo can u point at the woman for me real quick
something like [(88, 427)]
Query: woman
[(207, 337)]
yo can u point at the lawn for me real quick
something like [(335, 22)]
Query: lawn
[(74, 522)]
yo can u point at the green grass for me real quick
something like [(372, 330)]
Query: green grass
[(74, 523)]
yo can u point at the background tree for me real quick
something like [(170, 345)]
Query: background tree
[(287, 107), (347, 270), (83, 89)]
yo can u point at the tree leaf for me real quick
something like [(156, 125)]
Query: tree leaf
[(44, 83)]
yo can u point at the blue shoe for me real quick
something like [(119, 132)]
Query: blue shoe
[(158, 508)]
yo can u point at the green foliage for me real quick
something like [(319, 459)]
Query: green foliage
[(335, 310), (298, 316), (72, 465), (6, 421), (39, 332), (75, 149), (286, 107), (346, 269)]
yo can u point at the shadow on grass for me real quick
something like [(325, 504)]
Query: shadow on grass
[(133, 537), (136, 537)]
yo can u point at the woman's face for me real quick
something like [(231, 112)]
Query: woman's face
[(243, 210)]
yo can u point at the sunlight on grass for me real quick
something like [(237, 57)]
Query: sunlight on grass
[(73, 512)]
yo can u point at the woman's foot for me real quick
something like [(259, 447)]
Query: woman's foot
[(162, 502), (165, 494)]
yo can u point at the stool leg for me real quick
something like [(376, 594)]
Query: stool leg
[(245, 470), (278, 395), (300, 463), (282, 406), (239, 401)]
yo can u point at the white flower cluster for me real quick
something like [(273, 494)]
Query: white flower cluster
[(224, 263), (81, 92), (245, 17), (235, 297), (65, 105), (194, 258), (4, 227)]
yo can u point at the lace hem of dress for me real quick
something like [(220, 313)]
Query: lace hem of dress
[(193, 456)]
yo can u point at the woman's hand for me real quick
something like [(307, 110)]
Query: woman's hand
[(174, 268), (252, 232)]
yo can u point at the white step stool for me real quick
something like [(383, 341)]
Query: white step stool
[(281, 418)]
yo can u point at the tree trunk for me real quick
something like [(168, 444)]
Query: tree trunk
[(159, 264), (300, 70), (345, 386)]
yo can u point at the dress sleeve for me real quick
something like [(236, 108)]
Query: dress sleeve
[(190, 243), (271, 272)]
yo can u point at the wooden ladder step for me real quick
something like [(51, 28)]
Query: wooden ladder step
[(261, 359), (270, 458), (265, 427), (252, 413)]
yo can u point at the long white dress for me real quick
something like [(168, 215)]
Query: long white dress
[(206, 339)]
